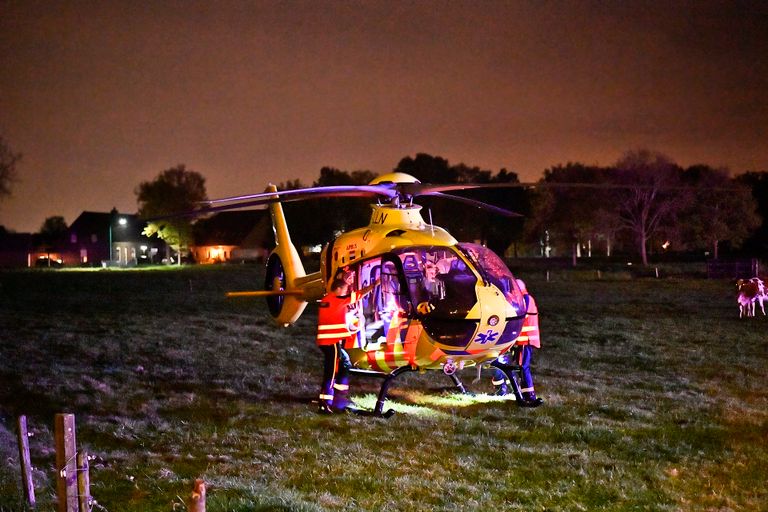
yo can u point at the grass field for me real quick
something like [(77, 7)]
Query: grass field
[(655, 400)]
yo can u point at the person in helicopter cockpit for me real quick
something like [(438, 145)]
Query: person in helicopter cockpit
[(522, 353), (434, 286)]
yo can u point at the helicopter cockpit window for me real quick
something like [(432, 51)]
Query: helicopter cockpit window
[(439, 277), (495, 272)]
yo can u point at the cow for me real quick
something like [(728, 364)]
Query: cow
[(750, 291)]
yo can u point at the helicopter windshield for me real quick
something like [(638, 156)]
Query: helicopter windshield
[(495, 272)]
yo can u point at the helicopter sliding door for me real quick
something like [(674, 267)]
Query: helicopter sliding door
[(385, 312)]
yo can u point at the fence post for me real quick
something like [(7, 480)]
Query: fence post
[(66, 464), (197, 503), (83, 482), (26, 463)]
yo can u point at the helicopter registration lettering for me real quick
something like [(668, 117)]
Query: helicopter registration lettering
[(379, 218), (488, 336)]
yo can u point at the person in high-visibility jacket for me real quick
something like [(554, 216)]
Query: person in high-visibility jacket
[(336, 325), (522, 353)]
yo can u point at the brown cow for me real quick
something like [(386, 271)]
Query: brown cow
[(750, 291)]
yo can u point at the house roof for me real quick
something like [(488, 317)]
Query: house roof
[(243, 228), (98, 223), (17, 241)]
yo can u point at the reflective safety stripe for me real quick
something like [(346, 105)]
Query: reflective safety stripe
[(341, 387), (497, 382), (331, 326), (326, 397), (527, 390), (330, 335), (528, 328)]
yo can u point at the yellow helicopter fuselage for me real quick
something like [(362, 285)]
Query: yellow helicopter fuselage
[(472, 321), (436, 303)]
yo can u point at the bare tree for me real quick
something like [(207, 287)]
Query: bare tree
[(648, 194)]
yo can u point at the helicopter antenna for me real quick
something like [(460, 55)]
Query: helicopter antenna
[(431, 225)]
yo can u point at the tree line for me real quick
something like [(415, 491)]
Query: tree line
[(643, 203)]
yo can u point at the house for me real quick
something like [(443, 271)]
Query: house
[(29, 250), (111, 239), (244, 235), (16, 249)]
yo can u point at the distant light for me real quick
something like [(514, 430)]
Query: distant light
[(665, 245), (122, 221)]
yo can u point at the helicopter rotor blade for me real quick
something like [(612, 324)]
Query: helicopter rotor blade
[(473, 202), (286, 196), (302, 193), (421, 189)]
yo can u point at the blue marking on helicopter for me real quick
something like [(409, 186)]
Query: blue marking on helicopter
[(488, 336)]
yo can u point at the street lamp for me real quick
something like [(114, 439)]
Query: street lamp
[(121, 221)]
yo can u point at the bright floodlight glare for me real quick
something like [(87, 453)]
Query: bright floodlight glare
[(122, 221)]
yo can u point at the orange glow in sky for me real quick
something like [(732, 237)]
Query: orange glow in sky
[(100, 96)]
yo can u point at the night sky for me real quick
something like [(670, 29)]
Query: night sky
[(100, 96)]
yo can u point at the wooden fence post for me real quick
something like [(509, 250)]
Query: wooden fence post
[(83, 482), (66, 463), (26, 464), (197, 503)]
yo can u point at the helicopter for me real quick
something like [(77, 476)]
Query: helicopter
[(438, 304)]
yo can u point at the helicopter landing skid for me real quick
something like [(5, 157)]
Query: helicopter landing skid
[(388, 378), (509, 371), (459, 384), (378, 411)]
